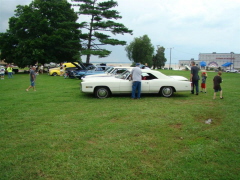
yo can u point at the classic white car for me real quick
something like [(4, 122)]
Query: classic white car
[(152, 82)]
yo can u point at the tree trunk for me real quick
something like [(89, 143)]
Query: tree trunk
[(88, 58)]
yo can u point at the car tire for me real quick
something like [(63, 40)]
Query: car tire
[(102, 92), (166, 91), (54, 74)]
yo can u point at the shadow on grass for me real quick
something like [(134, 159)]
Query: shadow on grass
[(143, 96)]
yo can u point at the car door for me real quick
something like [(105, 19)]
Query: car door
[(125, 86), (145, 86)]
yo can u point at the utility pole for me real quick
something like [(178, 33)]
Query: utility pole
[(232, 60), (170, 56)]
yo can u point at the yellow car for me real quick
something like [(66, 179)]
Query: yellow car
[(57, 72)]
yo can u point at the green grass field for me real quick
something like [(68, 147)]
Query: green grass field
[(58, 132)]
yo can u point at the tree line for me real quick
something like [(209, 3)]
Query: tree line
[(47, 31)]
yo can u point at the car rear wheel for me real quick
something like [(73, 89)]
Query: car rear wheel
[(54, 74), (166, 91), (102, 92)]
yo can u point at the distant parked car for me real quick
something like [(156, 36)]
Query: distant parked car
[(50, 65), (90, 71), (80, 68), (232, 70), (56, 71), (110, 72)]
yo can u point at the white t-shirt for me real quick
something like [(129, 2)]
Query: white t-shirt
[(2, 70), (136, 74)]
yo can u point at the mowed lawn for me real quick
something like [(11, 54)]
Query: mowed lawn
[(58, 132)]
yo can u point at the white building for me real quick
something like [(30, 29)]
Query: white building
[(215, 60)]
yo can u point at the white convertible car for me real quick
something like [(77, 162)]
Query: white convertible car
[(152, 82)]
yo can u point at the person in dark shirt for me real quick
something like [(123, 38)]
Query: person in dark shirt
[(32, 78), (217, 80), (194, 78)]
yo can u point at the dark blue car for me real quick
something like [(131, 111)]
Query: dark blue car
[(90, 71)]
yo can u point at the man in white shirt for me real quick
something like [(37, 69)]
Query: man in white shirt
[(136, 75)]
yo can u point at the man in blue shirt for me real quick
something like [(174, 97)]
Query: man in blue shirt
[(136, 75), (32, 79)]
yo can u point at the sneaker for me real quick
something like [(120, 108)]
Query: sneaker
[(26, 89), (221, 97)]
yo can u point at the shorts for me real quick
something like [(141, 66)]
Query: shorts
[(219, 89), (32, 83), (203, 85)]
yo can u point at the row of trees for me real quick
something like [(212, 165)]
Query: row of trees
[(44, 31), (141, 50), (47, 31)]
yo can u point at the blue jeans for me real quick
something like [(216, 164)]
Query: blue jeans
[(195, 84), (10, 75), (136, 86), (32, 83)]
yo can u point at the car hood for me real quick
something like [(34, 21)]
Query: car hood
[(179, 78), (80, 66), (100, 75)]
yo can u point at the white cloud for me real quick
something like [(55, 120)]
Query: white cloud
[(190, 26)]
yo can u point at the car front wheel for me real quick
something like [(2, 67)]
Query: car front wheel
[(54, 74), (102, 92), (167, 91)]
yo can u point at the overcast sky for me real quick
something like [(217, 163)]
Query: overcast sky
[(189, 27)]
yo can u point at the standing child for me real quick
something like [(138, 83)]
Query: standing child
[(2, 72), (203, 84), (217, 80), (61, 70)]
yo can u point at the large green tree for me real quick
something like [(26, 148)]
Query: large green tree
[(159, 59), (101, 15), (140, 50), (44, 31)]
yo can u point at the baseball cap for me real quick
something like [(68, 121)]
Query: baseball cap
[(137, 64)]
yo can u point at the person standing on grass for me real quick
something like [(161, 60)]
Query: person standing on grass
[(41, 69), (194, 77), (10, 71), (61, 70), (136, 75), (203, 84), (217, 80), (2, 72), (32, 78)]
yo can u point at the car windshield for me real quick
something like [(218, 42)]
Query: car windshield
[(108, 70), (91, 67), (124, 75)]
